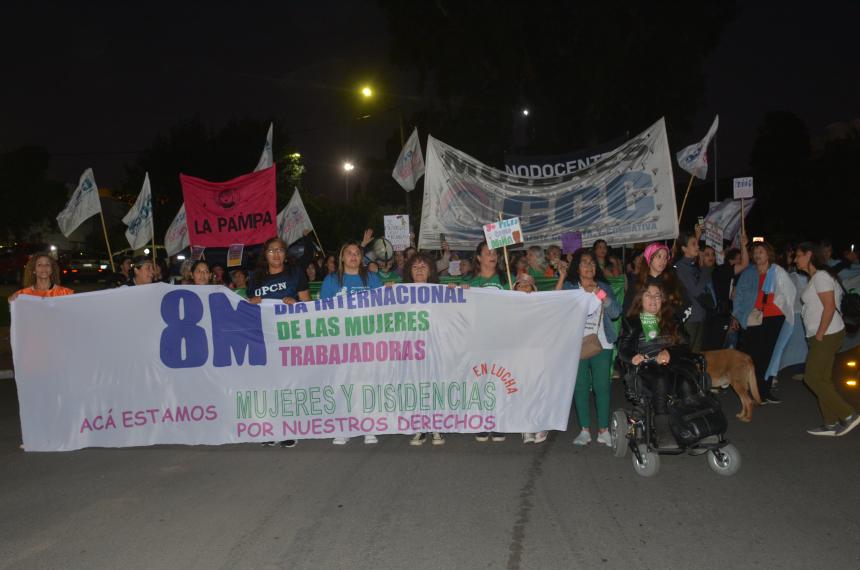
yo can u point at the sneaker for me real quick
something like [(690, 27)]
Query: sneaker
[(268, 444), (771, 400), (288, 443), (584, 438), (541, 436), (604, 437), (528, 438), (848, 424), (340, 441), (828, 430), (496, 436), (437, 438), (483, 436), (370, 439), (418, 439)]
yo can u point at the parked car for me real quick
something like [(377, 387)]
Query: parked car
[(82, 266)]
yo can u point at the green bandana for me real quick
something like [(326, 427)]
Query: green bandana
[(650, 325)]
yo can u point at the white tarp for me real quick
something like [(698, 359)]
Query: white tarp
[(198, 365), (629, 196)]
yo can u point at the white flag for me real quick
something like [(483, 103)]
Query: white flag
[(694, 158), (83, 204), (293, 220), (139, 218), (410, 163), (266, 158), (176, 238)]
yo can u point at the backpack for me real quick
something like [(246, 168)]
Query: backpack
[(849, 309)]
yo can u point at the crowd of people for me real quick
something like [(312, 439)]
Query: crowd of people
[(658, 307)]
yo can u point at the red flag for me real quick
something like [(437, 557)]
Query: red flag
[(241, 210)]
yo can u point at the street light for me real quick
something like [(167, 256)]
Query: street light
[(366, 92), (348, 167), (525, 112)]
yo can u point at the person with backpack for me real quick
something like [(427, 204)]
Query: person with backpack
[(825, 331)]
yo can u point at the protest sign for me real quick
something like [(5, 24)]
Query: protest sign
[(454, 267), (743, 187), (234, 255), (206, 367), (241, 210), (197, 252), (503, 233), (629, 196), (397, 231), (571, 241), (727, 216), (713, 236)]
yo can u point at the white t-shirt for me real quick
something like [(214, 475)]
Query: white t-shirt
[(821, 282)]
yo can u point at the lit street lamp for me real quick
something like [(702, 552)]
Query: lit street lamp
[(525, 112), (348, 167)]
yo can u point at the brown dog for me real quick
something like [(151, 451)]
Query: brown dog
[(735, 368)]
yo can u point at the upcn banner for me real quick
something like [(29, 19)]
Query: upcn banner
[(547, 166), (627, 197), (199, 365), (241, 210)]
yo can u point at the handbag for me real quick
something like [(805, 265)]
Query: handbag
[(591, 343)]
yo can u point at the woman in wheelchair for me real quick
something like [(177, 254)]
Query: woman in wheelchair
[(653, 340)]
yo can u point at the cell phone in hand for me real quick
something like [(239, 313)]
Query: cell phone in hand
[(442, 239)]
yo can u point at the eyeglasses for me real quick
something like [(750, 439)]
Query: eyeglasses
[(276, 250)]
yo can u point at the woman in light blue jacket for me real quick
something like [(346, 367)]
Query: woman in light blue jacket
[(595, 373)]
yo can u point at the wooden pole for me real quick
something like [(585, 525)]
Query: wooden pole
[(683, 204), (743, 218), (319, 243), (107, 242), (507, 263)]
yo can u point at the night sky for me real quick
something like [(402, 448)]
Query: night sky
[(96, 82)]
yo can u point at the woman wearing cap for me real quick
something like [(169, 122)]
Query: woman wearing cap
[(41, 278), (350, 276), (526, 284), (595, 373)]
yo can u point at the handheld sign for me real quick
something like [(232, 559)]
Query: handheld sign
[(197, 252), (743, 187), (234, 255), (503, 233), (454, 267), (571, 241), (397, 231)]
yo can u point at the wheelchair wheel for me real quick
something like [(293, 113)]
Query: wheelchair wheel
[(618, 430), (726, 460), (650, 464)]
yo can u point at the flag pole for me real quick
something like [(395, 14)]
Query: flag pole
[(107, 242), (507, 263), (152, 225), (319, 243), (683, 204), (743, 218)]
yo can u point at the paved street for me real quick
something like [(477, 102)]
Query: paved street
[(794, 503)]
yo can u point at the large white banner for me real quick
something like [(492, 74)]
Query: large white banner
[(199, 365), (629, 196)]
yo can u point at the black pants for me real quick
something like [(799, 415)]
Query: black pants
[(676, 379), (759, 342)]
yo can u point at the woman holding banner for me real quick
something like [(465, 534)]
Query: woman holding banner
[(276, 279), (351, 276), (41, 278), (595, 373)]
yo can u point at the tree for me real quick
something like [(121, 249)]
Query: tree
[(29, 197)]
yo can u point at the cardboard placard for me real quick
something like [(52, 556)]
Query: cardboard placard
[(397, 231), (234, 255), (454, 267), (197, 252), (503, 233), (743, 187), (571, 241)]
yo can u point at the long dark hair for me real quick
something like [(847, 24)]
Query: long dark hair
[(668, 322), (432, 275), (818, 259), (262, 269), (362, 270), (573, 270), (29, 277), (668, 281)]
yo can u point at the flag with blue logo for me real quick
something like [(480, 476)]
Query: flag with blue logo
[(694, 158), (139, 218), (410, 163), (266, 157), (293, 220), (83, 204)]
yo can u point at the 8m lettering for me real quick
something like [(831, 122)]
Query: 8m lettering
[(185, 344)]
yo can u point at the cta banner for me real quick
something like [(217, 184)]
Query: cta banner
[(241, 210), (199, 365), (629, 196)]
